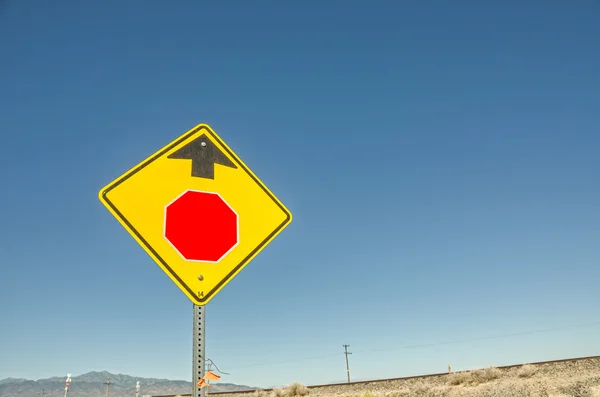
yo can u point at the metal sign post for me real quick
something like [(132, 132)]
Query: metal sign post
[(199, 349)]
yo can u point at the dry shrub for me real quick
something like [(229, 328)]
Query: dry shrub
[(296, 389), (514, 388), (278, 392), (526, 371), (459, 378), (486, 375), (542, 386), (476, 377), (260, 393), (420, 388), (404, 392), (579, 388)]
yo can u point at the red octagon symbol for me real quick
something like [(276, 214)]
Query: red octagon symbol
[(201, 226)]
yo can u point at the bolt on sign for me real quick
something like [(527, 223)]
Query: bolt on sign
[(197, 210)]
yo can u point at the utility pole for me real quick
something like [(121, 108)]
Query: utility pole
[(107, 383), (347, 367), (67, 383)]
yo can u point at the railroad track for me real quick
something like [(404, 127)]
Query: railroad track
[(389, 379)]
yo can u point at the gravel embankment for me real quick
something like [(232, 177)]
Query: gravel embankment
[(564, 379)]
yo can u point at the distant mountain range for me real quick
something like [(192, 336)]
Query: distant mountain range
[(92, 384)]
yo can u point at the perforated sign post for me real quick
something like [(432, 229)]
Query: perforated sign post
[(201, 214)]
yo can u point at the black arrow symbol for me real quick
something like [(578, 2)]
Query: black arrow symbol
[(204, 155)]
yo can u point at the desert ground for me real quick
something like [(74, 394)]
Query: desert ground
[(564, 379)]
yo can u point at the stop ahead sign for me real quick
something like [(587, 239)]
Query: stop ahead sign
[(201, 226), (199, 212)]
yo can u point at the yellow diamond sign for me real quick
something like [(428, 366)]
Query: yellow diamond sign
[(197, 210)]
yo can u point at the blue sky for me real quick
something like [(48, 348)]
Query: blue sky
[(440, 160)]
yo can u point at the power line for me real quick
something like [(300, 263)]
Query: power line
[(479, 339), (289, 361), (422, 345), (211, 363)]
